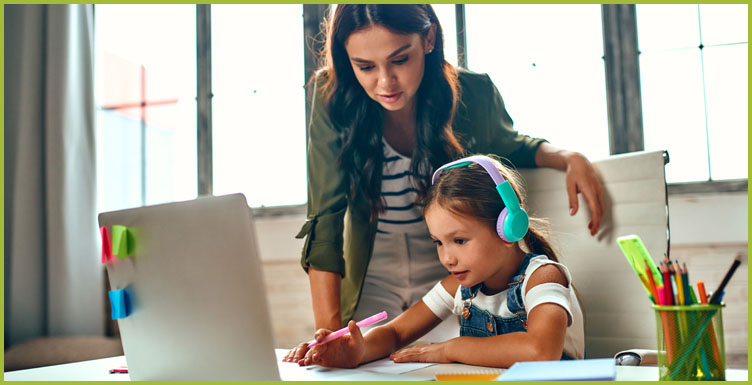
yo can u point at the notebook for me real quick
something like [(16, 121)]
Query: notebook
[(601, 369), (197, 308)]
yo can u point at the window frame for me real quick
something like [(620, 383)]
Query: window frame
[(621, 58)]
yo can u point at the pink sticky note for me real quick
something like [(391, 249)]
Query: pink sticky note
[(106, 245)]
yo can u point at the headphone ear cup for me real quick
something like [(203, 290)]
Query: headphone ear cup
[(500, 225), (515, 225)]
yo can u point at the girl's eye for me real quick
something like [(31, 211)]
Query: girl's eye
[(460, 241), (365, 68), (437, 242), (400, 61)]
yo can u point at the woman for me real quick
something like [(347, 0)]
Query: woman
[(387, 111)]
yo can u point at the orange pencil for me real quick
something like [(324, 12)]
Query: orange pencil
[(703, 294), (651, 282), (704, 300), (647, 286)]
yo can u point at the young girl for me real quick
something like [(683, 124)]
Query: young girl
[(388, 110), (512, 305)]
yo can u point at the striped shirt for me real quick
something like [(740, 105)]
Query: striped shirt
[(402, 214)]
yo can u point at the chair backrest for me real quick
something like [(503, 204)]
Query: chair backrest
[(617, 310)]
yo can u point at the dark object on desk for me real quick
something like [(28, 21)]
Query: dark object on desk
[(627, 359), (636, 357)]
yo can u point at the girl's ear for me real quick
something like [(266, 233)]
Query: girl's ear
[(430, 39), (508, 244)]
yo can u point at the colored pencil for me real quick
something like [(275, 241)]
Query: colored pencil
[(711, 330), (715, 298), (651, 282)]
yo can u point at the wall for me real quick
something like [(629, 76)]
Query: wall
[(707, 231)]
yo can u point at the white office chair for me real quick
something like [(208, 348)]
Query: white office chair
[(617, 310)]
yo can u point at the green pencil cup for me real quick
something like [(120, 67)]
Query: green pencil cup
[(690, 343)]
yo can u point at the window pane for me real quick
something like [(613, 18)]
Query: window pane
[(153, 65), (726, 92), (723, 23), (672, 108), (547, 62), (655, 34), (258, 115), (118, 159), (448, 20), (698, 94)]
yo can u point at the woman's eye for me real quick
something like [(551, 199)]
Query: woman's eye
[(460, 241), (437, 242), (365, 68), (400, 61)]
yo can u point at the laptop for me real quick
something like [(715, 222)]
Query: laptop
[(196, 296)]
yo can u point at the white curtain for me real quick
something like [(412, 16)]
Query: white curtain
[(53, 276)]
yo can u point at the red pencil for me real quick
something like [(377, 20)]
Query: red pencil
[(669, 294)]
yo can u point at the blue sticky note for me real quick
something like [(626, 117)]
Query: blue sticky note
[(120, 303), (601, 369)]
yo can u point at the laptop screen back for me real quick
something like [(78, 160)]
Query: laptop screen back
[(197, 302)]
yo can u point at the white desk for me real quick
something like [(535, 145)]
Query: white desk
[(98, 370)]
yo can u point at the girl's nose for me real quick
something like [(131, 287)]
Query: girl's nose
[(447, 259)]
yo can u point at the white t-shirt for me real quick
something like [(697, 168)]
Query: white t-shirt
[(443, 304)]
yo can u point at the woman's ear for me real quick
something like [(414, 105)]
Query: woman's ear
[(430, 39)]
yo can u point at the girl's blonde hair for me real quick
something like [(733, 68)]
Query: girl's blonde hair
[(469, 191)]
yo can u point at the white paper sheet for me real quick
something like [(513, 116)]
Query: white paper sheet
[(386, 365), (380, 370)]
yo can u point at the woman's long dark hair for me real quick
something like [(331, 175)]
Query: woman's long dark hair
[(470, 192), (359, 117)]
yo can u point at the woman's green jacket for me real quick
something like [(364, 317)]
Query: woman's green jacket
[(339, 231)]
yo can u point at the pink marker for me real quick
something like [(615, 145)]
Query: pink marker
[(374, 319)]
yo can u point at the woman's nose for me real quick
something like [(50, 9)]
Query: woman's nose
[(386, 78)]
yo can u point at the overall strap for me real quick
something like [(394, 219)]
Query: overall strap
[(515, 303), (469, 292)]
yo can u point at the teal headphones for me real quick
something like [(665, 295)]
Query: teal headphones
[(513, 221)]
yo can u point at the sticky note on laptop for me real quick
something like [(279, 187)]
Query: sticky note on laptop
[(122, 241), (120, 303), (601, 369)]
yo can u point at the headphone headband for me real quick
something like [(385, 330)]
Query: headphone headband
[(484, 162), (513, 221)]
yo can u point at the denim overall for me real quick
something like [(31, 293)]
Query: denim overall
[(476, 322)]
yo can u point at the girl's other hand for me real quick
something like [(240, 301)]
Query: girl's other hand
[(297, 353), (344, 352), (422, 353), (582, 178)]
